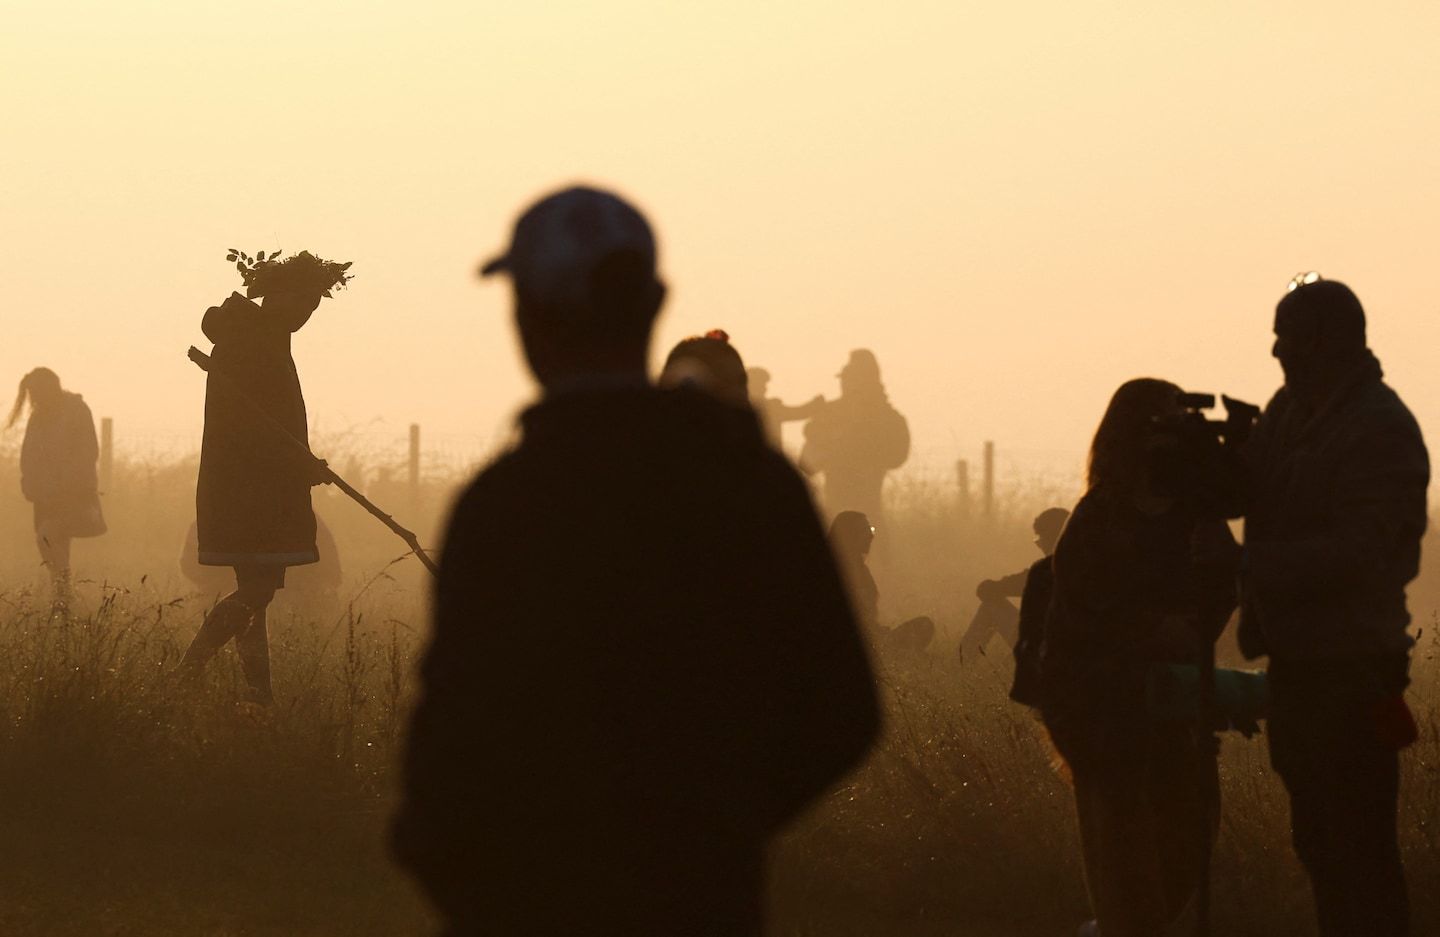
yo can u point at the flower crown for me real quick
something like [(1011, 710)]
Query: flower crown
[(302, 271)]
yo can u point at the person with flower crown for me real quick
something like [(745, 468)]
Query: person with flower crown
[(252, 500)]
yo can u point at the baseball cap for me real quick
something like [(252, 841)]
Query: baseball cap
[(560, 241)]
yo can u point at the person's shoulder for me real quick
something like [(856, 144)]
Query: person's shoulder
[(1100, 513), (1278, 403), (776, 470), (492, 486), (1380, 412), (483, 509), (1097, 500), (1380, 397)]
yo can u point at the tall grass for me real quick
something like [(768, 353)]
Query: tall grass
[(131, 806)]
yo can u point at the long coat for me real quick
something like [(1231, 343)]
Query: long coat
[(57, 467), (252, 502)]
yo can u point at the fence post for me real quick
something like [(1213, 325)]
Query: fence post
[(414, 464), (962, 481), (989, 481), (107, 452)]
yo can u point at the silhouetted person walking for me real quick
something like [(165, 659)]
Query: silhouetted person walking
[(252, 501), (1331, 539), (996, 616), (643, 663), (774, 412), (851, 537), (1130, 600), (856, 439), (57, 471)]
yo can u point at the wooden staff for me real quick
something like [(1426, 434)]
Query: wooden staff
[(203, 361)]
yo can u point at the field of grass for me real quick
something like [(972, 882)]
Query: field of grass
[(129, 808)]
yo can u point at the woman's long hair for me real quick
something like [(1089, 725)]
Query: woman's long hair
[(1118, 454), (41, 382)]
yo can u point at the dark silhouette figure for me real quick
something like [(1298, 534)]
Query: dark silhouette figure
[(856, 439), (643, 663), (851, 537), (57, 471), (317, 584), (773, 411), (996, 616), (252, 501), (1129, 600), (709, 363), (1331, 538)]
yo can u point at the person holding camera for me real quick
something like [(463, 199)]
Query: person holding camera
[(1339, 473), (1131, 602)]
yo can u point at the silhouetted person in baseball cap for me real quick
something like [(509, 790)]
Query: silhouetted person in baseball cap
[(1332, 537), (856, 439), (642, 663)]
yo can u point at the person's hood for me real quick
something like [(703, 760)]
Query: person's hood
[(227, 319)]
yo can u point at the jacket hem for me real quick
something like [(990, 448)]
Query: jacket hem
[(211, 558)]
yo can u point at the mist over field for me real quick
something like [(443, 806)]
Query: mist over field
[(1016, 207), (181, 817)]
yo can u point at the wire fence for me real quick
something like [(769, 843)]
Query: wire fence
[(976, 475)]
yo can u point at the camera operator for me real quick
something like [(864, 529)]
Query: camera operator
[(1337, 508), (1131, 600)]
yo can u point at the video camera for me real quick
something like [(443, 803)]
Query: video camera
[(1195, 460)]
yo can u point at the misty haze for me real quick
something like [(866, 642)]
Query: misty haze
[(637, 468)]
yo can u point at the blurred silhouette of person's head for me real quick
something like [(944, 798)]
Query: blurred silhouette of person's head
[(710, 363), (1119, 455), (861, 375), (758, 382), (851, 536), (1319, 335), (582, 263), (41, 387), (1048, 526)]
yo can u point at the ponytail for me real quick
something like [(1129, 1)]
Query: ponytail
[(19, 401), (31, 382)]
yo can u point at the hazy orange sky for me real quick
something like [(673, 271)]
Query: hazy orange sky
[(1017, 206)]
